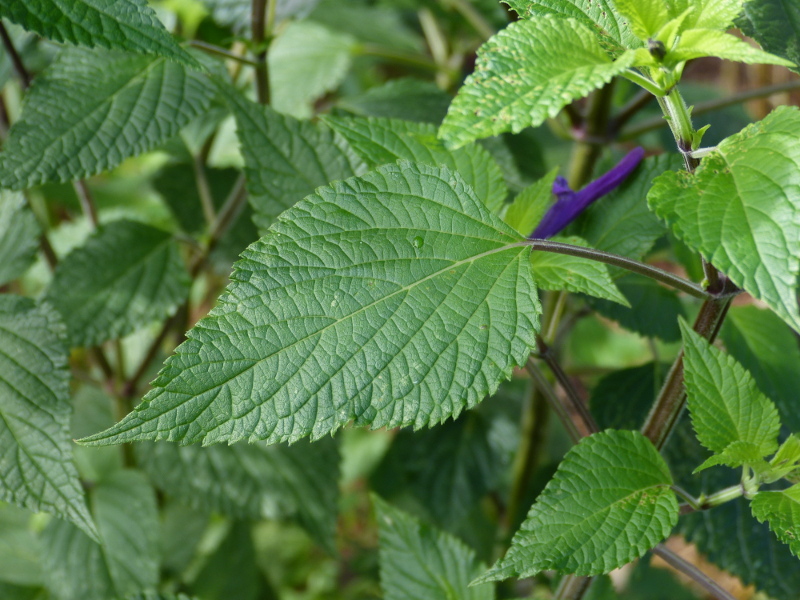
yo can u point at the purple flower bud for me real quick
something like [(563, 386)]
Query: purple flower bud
[(569, 204)]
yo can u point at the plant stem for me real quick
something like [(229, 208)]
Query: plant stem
[(203, 190), (630, 110), (692, 572), (263, 16), (23, 73), (572, 586), (643, 82), (472, 16), (224, 53), (712, 105), (588, 148), (629, 264), (87, 202), (568, 420)]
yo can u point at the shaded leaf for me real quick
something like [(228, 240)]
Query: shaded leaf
[(782, 511), (287, 159), (119, 25), (525, 74), (392, 299), (775, 24), (418, 561), (19, 236), (408, 99), (131, 275), (741, 210), (380, 141), (37, 471), (253, 481), (91, 110), (77, 568), (581, 525)]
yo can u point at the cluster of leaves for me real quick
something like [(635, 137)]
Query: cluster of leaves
[(387, 277)]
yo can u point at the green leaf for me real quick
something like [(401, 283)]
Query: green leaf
[(19, 548), (77, 568), (418, 561), (654, 309), (253, 481), (408, 99), (388, 300), (741, 211), (735, 455), (157, 596), (305, 62), (531, 204), (525, 74), (130, 275), (621, 399), (287, 159), (19, 236), (37, 471), (787, 456), (600, 16), (89, 111), (775, 24), (645, 17), (581, 525), (381, 141), (782, 511), (725, 403), (120, 25), (707, 14), (621, 223), (574, 274), (696, 43), (768, 349)]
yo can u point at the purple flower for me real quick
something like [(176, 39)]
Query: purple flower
[(569, 204)]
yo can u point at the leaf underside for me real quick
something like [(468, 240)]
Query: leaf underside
[(389, 300)]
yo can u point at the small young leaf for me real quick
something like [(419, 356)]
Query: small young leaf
[(645, 17), (130, 275), (741, 210), (531, 204), (306, 61), (418, 561), (574, 274), (782, 511), (252, 481), (381, 141), (600, 16), (775, 24), (725, 403), (91, 110), (120, 25), (19, 236), (787, 455), (697, 43), (608, 503), (708, 14), (527, 73), (77, 568), (735, 455), (388, 300), (37, 471), (287, 159)]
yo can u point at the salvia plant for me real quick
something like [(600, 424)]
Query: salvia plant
[(401, 343)]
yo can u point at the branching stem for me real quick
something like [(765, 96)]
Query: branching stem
[(692, 572)]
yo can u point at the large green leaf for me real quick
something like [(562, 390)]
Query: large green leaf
[(645, 17), (77, 568), (598, 15), (305, 62), (91, 110), (580, 524), (741, 210), (380, 141), (527, 73), (391, 299), (782, 511), (726, 405), (287, 159), (130, 275), (121, 25), (37, 471), (253, 481), (19, 236), (768, 349), (418, 561), (706, 14), (775, 24), (574, 273)]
